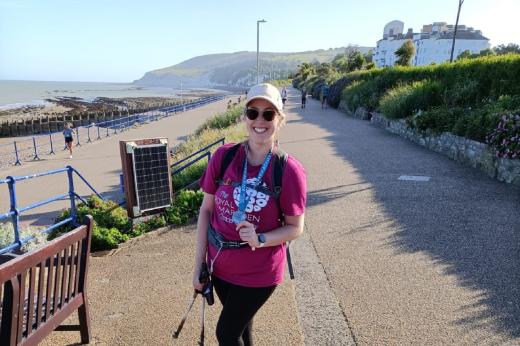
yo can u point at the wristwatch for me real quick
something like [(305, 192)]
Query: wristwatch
[(261, 239)]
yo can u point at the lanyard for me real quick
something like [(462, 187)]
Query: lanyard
[(243, 200)]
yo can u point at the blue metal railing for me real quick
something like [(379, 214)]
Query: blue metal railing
[(45, 144), (16, 211), (204, 152)]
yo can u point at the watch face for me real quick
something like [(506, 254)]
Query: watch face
[(261, 238)]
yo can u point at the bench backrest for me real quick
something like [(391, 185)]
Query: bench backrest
[(40, 289)]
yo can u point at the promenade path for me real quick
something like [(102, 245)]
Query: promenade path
[(382, 261)]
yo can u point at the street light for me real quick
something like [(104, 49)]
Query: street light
[(258, 49)]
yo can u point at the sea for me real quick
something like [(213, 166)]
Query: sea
[(16, 93)]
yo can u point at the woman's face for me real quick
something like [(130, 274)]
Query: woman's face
[(260, 130)]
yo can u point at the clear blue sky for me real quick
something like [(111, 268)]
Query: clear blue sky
[(120, 40)]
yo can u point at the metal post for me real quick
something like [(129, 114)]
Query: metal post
[(98, 134), (108, 135), (78, 144), (52, 147), (35, 151), (15, 217), (258, 49), (70, 171), (17, 163), (455, 30), (88, 134)]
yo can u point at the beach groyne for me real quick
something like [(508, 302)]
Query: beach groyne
[(55, 122)]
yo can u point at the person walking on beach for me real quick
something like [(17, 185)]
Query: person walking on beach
[(245, 220), (324, 94), (304, 97), (284, 95), (68, 132)]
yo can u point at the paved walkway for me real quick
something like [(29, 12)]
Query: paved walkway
[(382, 262)]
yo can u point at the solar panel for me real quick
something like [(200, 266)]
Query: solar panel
[(152, 181)]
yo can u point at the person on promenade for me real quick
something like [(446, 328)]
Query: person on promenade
[(324, 94), (284, 95), (68, 132), (304, 97), (245, 221)]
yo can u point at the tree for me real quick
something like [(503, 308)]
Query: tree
[(405, 53), (349, 61), (510, 48), (465, 55)]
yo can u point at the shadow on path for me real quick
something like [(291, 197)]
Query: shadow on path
[(464, 220)]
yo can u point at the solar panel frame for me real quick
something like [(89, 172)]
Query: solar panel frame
[(152, 180)]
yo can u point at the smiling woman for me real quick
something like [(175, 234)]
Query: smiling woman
[(247, 216)]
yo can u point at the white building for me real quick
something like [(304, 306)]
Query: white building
[(433, 44)]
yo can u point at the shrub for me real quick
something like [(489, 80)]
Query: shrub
[(185, 206), (405, 100), (438, 119), (7, 237), (189, 175), (226, 119), (336, 89), (505, 138), (107, 214), (111, 223), (106, 238), (361, 94)]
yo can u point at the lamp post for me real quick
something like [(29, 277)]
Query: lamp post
[(258, 49), (455, 30)]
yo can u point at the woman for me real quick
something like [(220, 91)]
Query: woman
[(68, 132), (284, 95), (237, 210)]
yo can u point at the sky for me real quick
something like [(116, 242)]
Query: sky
[(120, 40)]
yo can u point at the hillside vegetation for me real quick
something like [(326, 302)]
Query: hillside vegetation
[(235, 69)]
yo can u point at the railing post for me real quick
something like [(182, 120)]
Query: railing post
[(98, 133), (88, 134), (15, 217), (52, 147), (108, 135), (35, 151), (17, 163), (78, 144), (70, 171)]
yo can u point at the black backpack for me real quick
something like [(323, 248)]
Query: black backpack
[(280, 159)]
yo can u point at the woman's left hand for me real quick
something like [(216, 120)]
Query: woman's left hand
[(247, 232)]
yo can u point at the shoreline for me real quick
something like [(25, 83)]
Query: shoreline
[(73, 104)]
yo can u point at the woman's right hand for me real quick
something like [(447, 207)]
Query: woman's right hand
[(197, 286)]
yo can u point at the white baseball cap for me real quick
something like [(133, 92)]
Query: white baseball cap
[(268, 92)]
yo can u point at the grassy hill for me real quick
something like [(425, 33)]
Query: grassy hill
[(234, 69)]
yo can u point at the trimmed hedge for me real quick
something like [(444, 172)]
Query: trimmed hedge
[(405, 100)]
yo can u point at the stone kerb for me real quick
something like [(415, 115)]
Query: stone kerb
[(469, 152)]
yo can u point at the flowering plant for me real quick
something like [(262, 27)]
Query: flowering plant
[(505, 138)]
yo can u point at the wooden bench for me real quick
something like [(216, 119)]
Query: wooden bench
[(40, 289)]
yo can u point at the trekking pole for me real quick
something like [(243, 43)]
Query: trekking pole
[(202, 315), (289, 262), (179, 328)]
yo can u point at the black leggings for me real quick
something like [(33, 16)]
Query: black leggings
[(240, 304)]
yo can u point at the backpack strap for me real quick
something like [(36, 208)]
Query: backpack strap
[(226, 161), (280, 159)]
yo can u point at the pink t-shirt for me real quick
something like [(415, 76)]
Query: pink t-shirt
[(264, 266)]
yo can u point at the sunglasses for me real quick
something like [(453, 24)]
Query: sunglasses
[(253, 113)]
